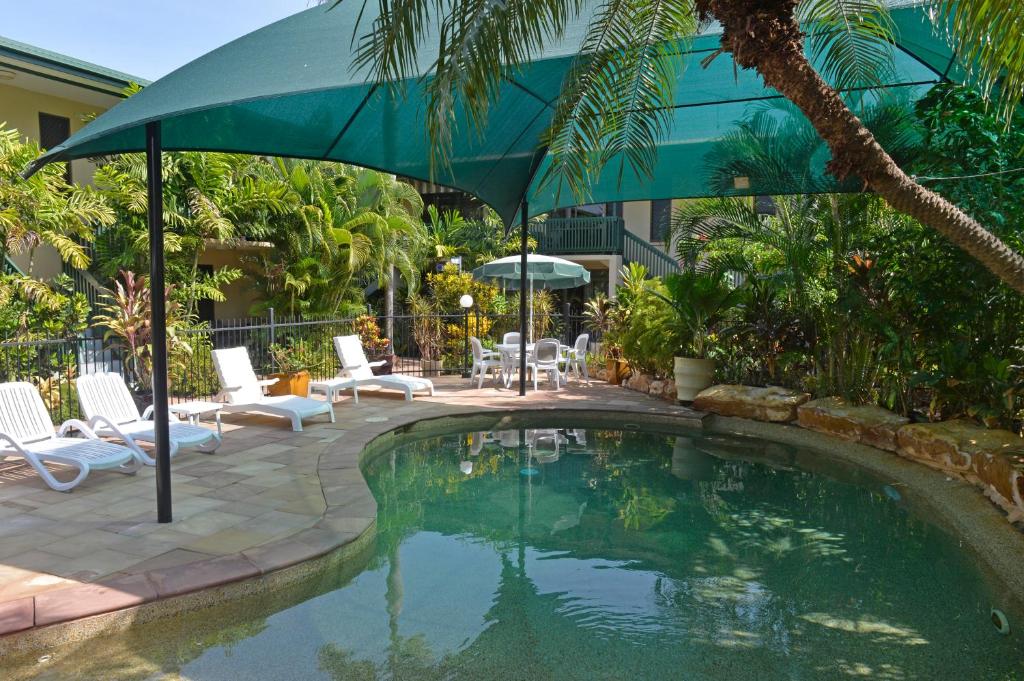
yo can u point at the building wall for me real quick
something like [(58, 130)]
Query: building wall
[(20, 109), (240, 294)]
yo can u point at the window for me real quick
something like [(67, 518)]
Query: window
[(661, 216), (52, 131)]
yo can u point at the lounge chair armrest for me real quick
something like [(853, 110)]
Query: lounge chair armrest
[(378, 363), (12, 441), (264, 382), (75, 424), (148, 414)]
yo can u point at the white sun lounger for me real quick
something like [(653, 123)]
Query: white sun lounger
[(26, 431), (111, 411), (357, 372), (243, 392)]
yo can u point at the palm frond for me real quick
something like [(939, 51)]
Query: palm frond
[(989, 38), (850, 40)]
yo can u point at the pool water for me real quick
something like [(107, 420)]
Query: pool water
[(606, 555)]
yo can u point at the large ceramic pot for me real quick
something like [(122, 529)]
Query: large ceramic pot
[(692, 375), (290, 384), (431, 367)]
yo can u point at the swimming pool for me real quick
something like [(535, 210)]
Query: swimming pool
[(601, 554)]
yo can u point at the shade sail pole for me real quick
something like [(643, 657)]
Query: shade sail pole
[(158, 320), (524, 235)]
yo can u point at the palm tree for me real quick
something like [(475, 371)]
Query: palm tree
[(617, 100), (346, 227), (44, 209)]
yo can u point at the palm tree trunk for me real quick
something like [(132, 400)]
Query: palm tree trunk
[(389, 307), (764, 35)]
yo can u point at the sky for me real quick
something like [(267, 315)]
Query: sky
[(144, 38)]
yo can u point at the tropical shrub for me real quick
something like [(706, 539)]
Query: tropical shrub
[(126, 314)]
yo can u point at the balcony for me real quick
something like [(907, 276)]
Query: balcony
[(579, 236)]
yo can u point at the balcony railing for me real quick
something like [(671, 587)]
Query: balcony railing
[(579, 236)]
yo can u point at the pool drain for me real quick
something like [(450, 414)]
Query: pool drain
[(630, 426), (1000, 622)]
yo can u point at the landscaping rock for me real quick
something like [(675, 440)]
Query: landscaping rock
[(601, 374), (939, 444), (995, 458), (639, 382), (656, 388), (668, 392), (761, 404), (869, 425)]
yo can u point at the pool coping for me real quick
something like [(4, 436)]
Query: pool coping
[(76, 613), (348, 525)]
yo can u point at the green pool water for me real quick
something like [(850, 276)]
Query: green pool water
[(603, 554)]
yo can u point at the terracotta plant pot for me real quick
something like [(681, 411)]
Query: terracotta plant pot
[(290, 384), (618, 370), (692, 375), (432, 367)]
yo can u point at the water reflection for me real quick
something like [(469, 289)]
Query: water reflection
[(623, 555)]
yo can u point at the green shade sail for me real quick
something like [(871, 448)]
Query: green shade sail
[(290, 89), (542, 271)]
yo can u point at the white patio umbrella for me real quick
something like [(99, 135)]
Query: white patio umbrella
[(543, 270)]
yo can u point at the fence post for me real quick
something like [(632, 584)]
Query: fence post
[(272, 336), (565, 322)]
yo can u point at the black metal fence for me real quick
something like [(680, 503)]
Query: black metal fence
[(53, 365)]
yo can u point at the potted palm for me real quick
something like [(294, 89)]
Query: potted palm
[(698, 302), (291, 364)]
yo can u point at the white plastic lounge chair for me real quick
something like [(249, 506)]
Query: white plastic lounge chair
[(26, 431), (546, 356), (357, 371), (243, 392), (576, 358), (484, 361), (111, 411)]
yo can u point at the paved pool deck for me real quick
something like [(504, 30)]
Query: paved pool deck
[(268, 499)]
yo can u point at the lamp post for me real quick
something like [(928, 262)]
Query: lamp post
[(465, 302)]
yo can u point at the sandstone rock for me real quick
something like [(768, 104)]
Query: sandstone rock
[(761, 404), (869, 425), (601, 374), (639, 382), (994, 457), (669, 390), (656, 387), (938, 443)]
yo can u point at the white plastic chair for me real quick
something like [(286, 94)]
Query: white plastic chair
[(357, 371), (484, 361), (26, 431), (112, 412), (546, 357), (510, 338), (243, 392), (576, 358)]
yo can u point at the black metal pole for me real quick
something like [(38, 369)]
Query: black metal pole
[(465, 342), (158, 321), (524, 235)]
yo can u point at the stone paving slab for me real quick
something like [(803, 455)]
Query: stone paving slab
[(269, 498)]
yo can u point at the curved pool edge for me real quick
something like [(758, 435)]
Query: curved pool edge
[(113, 604), (951, 503)]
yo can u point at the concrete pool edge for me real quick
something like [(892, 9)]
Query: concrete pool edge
[(35, 624), (954, 504)]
